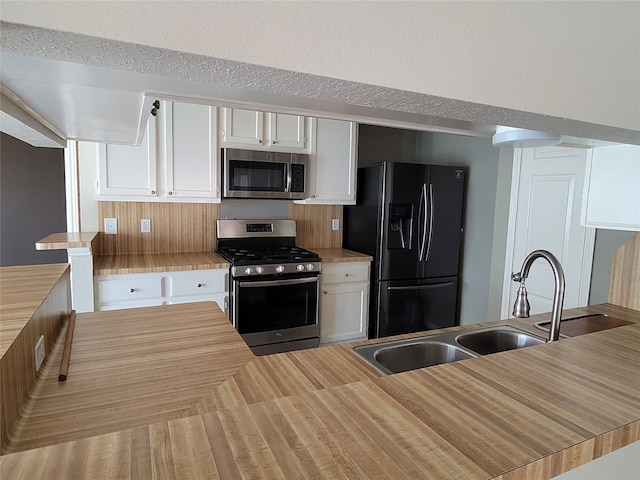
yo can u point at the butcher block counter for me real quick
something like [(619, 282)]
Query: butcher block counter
[(173, 392), (173, 262)]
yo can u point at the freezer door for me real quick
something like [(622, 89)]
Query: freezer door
[(414, 306)]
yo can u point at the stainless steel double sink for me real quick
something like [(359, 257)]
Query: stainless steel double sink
[(403, 355)]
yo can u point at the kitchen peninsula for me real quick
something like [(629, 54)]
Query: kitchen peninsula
[(172, 392)]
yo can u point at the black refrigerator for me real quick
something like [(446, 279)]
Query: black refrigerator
[(408, 217)]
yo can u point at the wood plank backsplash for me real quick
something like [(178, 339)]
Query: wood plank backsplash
[(313, 225), (624, 289), (175, 227), (191, 227)]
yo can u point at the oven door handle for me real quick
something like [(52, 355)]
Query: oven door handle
[(272, 283)]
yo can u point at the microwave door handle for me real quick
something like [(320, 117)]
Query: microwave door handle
[(287, 177)]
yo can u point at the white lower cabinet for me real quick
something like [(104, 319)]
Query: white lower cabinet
[(114, 292), (344, 302)]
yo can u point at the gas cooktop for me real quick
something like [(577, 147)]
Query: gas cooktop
[(266, 254)]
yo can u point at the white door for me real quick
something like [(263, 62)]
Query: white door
[(190, 150), (546, 200)]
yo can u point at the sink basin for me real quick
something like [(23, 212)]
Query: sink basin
[(498, 339), (401, 358), (402, 355), (397, 356)]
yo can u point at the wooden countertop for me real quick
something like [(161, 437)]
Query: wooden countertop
[(59, 241), (171, 262), (337, 255), (22, 291), (322, 413), (167, 262)]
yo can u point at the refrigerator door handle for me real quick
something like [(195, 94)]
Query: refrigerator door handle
[(423, 218), (421, 287), (430, 223)]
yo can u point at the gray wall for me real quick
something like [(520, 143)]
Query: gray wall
[(481, 285), (378, 144), (32, 201), (231, 208), (607, 241)]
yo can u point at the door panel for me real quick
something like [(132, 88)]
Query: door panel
[(414, 306), (403, 183), (447, 198), (548, 217)]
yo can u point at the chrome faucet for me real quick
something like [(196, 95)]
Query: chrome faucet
[(521, 306)]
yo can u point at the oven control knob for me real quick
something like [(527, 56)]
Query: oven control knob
[(300, 268), (309, 266), (259, 270), (280, 269), (248, 271)]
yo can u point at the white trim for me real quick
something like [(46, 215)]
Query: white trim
[(587, 266), (505, 311), (71, 186)]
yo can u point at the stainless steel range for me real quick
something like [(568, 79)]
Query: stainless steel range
[(273, 285)]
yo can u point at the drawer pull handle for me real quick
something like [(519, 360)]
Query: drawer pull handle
[(324, 291), (199, 285), (346, 274), (132, 290)]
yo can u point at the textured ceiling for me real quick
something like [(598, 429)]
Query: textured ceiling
[(149, 69)]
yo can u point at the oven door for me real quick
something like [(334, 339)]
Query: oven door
[(278, 310)]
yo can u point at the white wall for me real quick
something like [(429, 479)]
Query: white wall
[(575, 60)]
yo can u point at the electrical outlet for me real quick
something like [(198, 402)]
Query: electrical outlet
[(39, 352), (145, 225), (335, 224), (111, 226)]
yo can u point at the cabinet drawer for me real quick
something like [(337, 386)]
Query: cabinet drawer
[(197, 282), (345, 272), (128, 289)]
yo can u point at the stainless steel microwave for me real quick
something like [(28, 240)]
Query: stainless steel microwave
[(263, 174)]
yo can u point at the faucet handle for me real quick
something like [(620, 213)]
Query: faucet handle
[(516, 276)]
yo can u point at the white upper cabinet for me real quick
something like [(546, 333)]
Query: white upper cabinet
[(177, 161), (612, 188), (266, 131), (334, 165), (190, 150), (128, 171)]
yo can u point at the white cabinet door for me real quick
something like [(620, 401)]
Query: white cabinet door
[(344, 302), (334, 165), (266, 131), (287, 131), (184, 169), (190, 151), (125, 170), (612, 188), (242, 128), (343, 312)]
